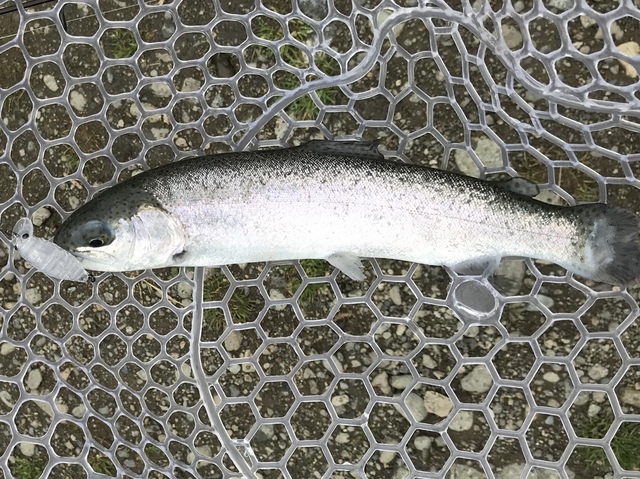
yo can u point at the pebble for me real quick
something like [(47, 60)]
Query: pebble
[(7, 348), (477, 381), (422, 443), (340, 400), (401, 382), (546, 301), (50, 82), (512, 36), (233, 342), (586, 21), (33, 295), (27, 449), (630, 397), (593, 410), (184, 290), (40, 216), (631, 49), (551, 377), (381, 381), (562, 4), (462, 422), (415, 404), (234, 368), (438, 404), (395, 296), (387, 456), (6, 398), (598, 372), (34, 379)]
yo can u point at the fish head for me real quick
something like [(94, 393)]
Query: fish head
[(121, 230)]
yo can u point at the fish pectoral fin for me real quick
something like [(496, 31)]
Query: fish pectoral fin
[(360, 149), (521, 186), (349, 264)]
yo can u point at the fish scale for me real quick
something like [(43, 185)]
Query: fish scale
[(338, 201)]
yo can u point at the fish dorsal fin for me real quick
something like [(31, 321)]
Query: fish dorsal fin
[(360, 149), (521, 186)]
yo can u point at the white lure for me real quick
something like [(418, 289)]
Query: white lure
[(46, 256)]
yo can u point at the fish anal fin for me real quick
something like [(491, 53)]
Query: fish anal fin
[(349, 264), (484, 266), (360, 149)]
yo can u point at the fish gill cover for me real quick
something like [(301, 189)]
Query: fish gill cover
[(291, 369)]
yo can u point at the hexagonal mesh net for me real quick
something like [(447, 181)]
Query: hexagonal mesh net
[(291, 369)]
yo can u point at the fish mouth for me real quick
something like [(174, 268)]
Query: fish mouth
[(95, 260)]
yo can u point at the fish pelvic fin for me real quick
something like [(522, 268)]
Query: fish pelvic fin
[(612, 250), (349, 264), (359, 149)]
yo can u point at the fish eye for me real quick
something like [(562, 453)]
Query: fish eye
[(96, 234)]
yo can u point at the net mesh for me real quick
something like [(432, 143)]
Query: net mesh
[(291, 369)]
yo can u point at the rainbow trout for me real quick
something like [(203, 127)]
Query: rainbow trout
[(339, 201)]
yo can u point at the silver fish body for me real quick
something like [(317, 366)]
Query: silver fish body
[(340, 202)]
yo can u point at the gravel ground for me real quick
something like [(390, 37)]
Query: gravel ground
[(307, 369)]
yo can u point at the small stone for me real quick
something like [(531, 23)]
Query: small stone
[(630, 397), (587, 22), (233, 342), (395, 296), (428, 362), (33, 295), (79, 411), (381, 381), (27, 449), (387, 456), (184, 290), (401, 382), (234, 368), (593, 410), (462, 422), (562, 4), (340, 400), (40, 216), (551, 377), (415, 404), (34, 379), (50, 82), (342, 438), (422, 443), (598, 372), (546, 301), (512, 36), (438, 404), (631, 49), (7, 348), (477, 381)]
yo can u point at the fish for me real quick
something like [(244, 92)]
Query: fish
[(340, 201)]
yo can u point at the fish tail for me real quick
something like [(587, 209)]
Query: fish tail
[(612, 251)]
